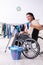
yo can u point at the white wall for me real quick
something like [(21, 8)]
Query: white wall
[(9, 14)]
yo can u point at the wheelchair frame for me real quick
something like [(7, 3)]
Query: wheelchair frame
[(21, 41)]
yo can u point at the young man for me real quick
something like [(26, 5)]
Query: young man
[(34, 26)]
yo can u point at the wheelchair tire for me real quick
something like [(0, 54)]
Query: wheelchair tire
[(27, 50)]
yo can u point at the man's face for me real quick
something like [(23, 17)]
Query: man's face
[(29, 18)]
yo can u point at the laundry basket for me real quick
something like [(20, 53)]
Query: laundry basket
[(16, 52)]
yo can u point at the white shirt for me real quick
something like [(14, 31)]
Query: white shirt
[(34, 22)]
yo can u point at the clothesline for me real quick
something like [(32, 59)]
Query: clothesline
[(8, 29), (13, 23)]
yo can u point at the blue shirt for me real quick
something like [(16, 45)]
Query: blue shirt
[(27, 25)]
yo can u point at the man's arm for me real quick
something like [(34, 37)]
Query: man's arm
[(38, 26)]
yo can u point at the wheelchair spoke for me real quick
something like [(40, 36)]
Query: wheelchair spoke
[(30, 53), (32, 49), (34, 46)]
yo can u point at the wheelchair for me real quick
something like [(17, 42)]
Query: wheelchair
[(31, 48)]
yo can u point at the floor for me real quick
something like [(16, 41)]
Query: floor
[(6, 59)]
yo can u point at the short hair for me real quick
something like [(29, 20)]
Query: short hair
[(29, 13)]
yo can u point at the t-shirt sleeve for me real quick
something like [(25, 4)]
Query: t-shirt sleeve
[(35, 22)]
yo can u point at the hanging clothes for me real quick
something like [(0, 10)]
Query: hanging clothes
[(12, 29), (9, 34), (16, 29), (22, 27), (4, 30), (1, 28)]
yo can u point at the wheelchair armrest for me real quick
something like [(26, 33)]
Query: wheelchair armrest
[(40, 37)]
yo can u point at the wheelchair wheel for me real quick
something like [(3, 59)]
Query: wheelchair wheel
[(31, 48)]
